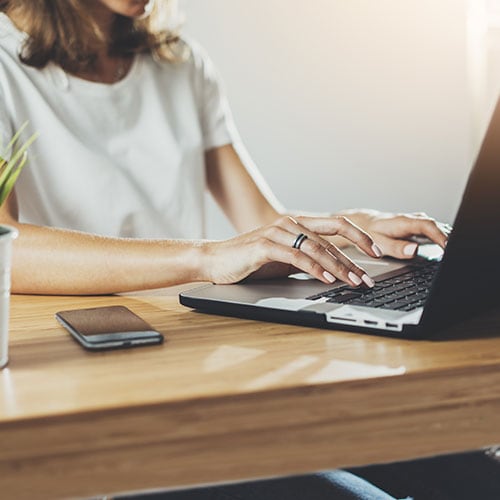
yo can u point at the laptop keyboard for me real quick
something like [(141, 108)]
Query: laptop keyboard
[(403, 292)]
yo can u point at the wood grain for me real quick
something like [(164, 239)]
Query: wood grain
[(226, 399)]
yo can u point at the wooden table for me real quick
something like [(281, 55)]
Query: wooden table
[(226, 399)]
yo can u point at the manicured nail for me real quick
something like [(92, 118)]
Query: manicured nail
[(376, 250), (329, 277), (355, 278), (368, 281), (410, 249)]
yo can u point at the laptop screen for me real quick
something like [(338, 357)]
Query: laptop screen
[(469, 276)]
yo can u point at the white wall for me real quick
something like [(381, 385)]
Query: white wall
[(484, 61), (346, 103)]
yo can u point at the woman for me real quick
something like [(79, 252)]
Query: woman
[(134, 127)]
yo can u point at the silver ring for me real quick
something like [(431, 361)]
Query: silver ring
[(299, 240)]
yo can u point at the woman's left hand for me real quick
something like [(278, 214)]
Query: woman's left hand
[(393, 233)]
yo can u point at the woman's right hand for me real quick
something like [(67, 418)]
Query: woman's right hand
[(268, 252)]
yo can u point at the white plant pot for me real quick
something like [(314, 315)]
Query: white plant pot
[(7, 234)]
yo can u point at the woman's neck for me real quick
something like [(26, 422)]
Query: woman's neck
[(107, 69), (103, 17)]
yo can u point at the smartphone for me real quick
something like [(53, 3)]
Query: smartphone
[(110, 327)]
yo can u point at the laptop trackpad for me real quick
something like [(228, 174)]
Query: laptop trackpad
[(373, 267)]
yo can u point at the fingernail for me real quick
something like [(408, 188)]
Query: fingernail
[(376, 250), (355, 278), (410, 249), (329, 277), (368, 281)]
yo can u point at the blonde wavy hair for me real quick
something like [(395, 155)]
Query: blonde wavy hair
[(63, 32)]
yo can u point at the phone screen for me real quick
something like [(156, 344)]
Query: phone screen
[(108, 327)]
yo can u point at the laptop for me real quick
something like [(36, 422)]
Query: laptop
[(411, 299)]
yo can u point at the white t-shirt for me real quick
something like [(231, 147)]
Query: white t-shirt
[(123, 159)]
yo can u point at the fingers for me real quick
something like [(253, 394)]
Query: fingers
[(421, 225), (438, 233), (273, 252), (339, 225), (393, 244), (314, 254), (334, 264), (400, 249), (355, 272)]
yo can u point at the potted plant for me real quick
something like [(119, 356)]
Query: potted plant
[(9, 172)]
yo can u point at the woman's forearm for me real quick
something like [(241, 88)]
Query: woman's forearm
[(57, 261)]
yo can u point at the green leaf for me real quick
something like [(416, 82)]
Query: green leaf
[(11, 169), (16, 136), (6, 188)]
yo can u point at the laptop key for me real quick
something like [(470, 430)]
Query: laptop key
[(398, 305), (345, 297), (397, 292)]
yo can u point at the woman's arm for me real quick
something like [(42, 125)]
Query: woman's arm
[(239, 189), (58, 261), (248, 202)]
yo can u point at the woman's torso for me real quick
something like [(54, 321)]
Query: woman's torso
[(123, 159)]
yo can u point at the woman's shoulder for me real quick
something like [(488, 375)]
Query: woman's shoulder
[(196, 53), (10, 36), (11, 40), (197, 61), (190, 56)]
